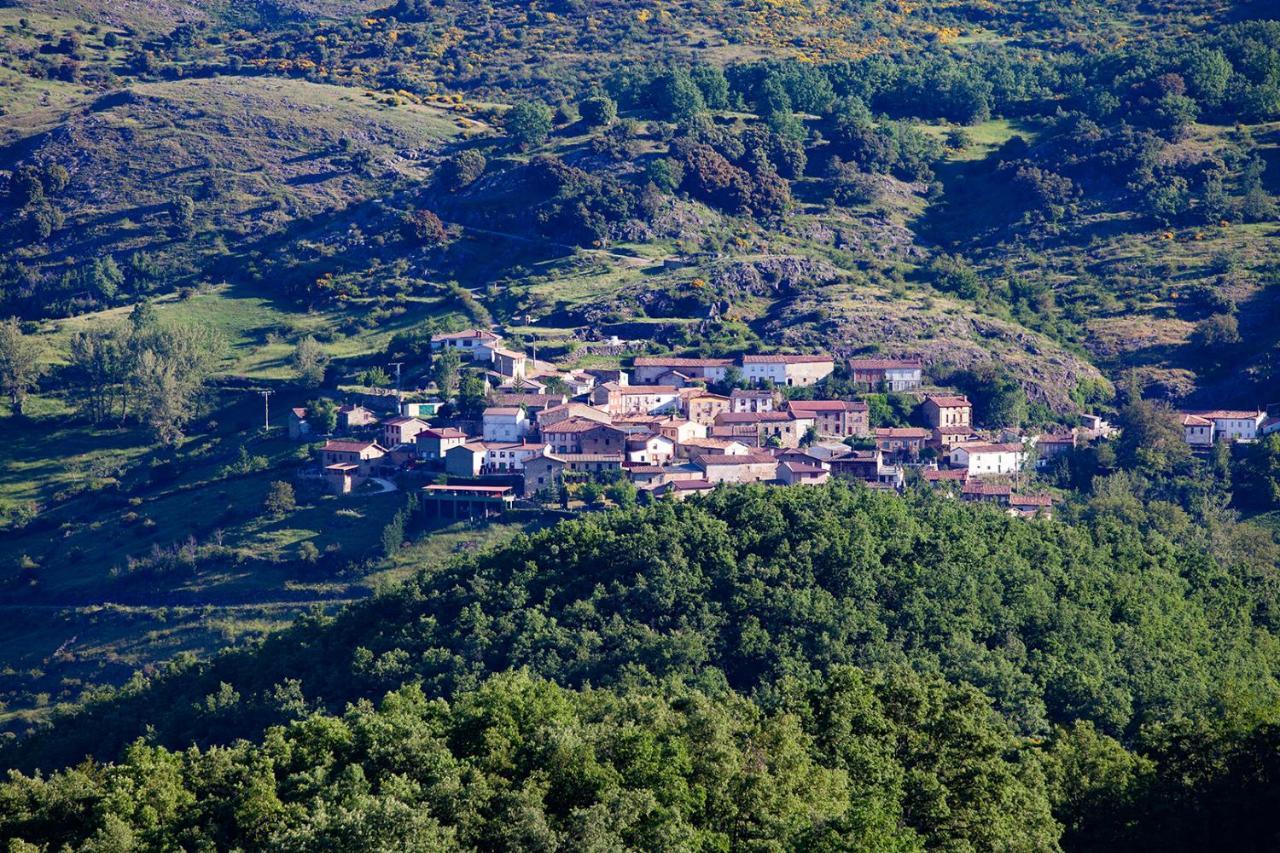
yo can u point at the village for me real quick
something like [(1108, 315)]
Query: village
[(547, 433)]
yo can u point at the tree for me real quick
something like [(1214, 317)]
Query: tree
[(21, 364), (322, 414), (425, 228), (473, 391), (463, 169), (143, 316), (622, 492), (599, 111), (445, 367), (1257, 476), (183, 210), (1151, 438), (1167, 199), (280, 500), (528, 124), (309, 362), (590, 493), (104, 277), (393, 534), (675, 96), (375, 377), (1216, 335), (55, 178), (665, 173)]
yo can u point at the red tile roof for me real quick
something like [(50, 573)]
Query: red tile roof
[(643, 390), (463, 335), (949, 401), (752, 417), (349, 446), (937, 475), (735, 459), (990, 448), (986, 489), (902, 432), (442, 432), (801, 468), (576, 424), (664, 361), (785, 359), (1228, 414), (827, 406), (885, 363)]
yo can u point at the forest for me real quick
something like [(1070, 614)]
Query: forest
[(883, 650)]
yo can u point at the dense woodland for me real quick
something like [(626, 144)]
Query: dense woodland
[(883, 650)]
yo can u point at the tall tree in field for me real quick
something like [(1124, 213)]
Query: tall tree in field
[(310, 360), (99, 365), (20, 364)]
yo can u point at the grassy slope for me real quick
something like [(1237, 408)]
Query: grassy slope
[(82, 612), (163, 15)]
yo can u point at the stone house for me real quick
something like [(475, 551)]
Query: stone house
[(432, 444), (744, 468), (902, 441), (704, 406), (582, 435), (402, 430), (752, 400), (948, 410), (466, 460), (355, 417), (834, 418), (891, 374), (798, 473), (648, 370)]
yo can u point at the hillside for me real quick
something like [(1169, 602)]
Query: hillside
[(1014, 266), (1067, 628), (282, 157)]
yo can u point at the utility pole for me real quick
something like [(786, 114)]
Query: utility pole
[(266, 409), (397, 365)]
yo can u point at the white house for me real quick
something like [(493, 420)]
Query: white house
[(988, 459), (472, 344), (1197, 431), (510, 457), (786, 370), (1233, 425), (650, 449), (507, 424)]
